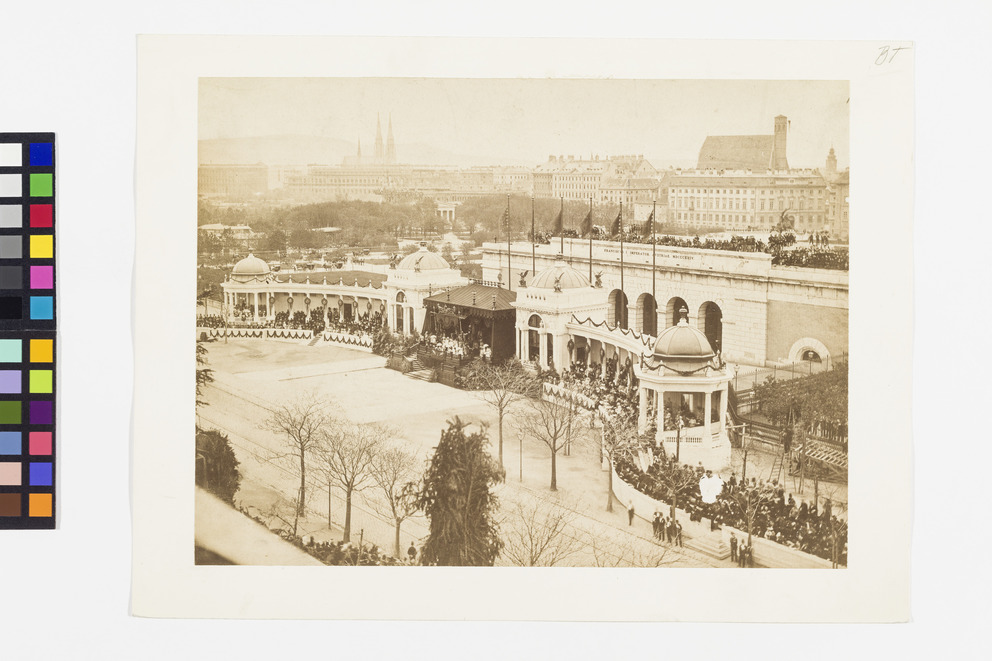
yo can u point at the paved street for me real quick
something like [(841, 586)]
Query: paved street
[(252, 375)]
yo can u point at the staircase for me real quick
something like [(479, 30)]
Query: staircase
[(316, 338), (419, 372)]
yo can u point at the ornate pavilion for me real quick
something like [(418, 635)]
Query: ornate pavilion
[(556, 320)]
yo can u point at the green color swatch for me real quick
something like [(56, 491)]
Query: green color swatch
[(10, 413), (41, 185)]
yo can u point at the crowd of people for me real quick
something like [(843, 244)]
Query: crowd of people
[(762, 507), (819, 254), (458, 346), (331, 553), (815, 258), (611, 397), (368, 323)]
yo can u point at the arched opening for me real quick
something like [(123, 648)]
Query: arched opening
[(398, 312), (811, 356), (617, 310), (534, 338), (672, 311), (710, 321), (647, 314)]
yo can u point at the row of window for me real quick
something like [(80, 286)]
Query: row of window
[(766, 221)]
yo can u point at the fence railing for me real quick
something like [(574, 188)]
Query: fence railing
[(746, 378)]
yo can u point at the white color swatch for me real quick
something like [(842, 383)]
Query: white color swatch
[(10, 185), (10, 154)]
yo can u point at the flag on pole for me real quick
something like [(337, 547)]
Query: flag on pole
[(587, 224), (649, 226), (617, 227), (558, 226)]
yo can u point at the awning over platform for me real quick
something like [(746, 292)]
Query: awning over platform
[(473, 300)]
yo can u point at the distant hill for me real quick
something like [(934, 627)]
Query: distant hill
[(306, 149)]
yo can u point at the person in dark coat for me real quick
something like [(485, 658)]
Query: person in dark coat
[(733, 547)]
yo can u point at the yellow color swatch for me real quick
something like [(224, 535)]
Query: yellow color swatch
[(42, 246), (41, 351)]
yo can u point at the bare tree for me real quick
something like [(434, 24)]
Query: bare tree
[(502, 385), (395, 473), (619, 439), (555, 425), (300, 424), (346, 453), (678, 482), (537, 534), (747, 504), (629, 552)]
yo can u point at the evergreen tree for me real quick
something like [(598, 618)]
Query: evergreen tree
[(217, 466), (457, 496)]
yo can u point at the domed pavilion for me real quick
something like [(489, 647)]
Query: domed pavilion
[(415, 278), (683, 395), (545, 306)]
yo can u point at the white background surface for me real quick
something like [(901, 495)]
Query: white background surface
[(70, 68)]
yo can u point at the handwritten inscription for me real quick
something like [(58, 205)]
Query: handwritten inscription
[(888, 53)]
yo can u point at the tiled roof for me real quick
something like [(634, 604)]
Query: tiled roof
[(737, 152)]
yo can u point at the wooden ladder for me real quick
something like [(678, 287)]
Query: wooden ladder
[(776, 472)]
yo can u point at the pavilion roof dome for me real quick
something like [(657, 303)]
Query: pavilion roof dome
[(424, 260), (560, 272), (250, 267), (683, 344)]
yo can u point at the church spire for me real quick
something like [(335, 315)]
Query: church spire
[(379, 151), (359, 149), (390, 145)]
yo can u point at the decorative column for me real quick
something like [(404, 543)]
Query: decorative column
[(254, 309), (642, 409), (659, 416), (543, 347), (708, 402)]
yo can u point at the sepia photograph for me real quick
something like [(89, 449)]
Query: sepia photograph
[(530, 322)]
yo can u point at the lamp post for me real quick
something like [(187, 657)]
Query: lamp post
[(679, 423), (737, 368)]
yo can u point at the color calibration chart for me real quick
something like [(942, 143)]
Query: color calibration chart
[(27, 330)]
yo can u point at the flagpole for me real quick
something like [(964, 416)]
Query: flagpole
[(590, 241), (561, 230), (509, 269), (533, 240), (654, 261), (621, 249)]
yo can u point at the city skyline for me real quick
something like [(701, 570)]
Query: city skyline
[(522, 122)]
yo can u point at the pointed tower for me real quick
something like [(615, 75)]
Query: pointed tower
[(379, 151), (831, 162), (359, 154), (779, 160), (390, 145)]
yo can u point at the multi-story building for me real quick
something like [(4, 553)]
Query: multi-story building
[(742, 200), (627, 178), (233, 181)]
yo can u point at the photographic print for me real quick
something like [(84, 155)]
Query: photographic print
[(538, 323), (507, 315)]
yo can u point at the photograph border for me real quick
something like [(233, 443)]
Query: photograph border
[(875, 586)]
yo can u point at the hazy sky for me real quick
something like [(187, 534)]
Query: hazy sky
[(528, 119)]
